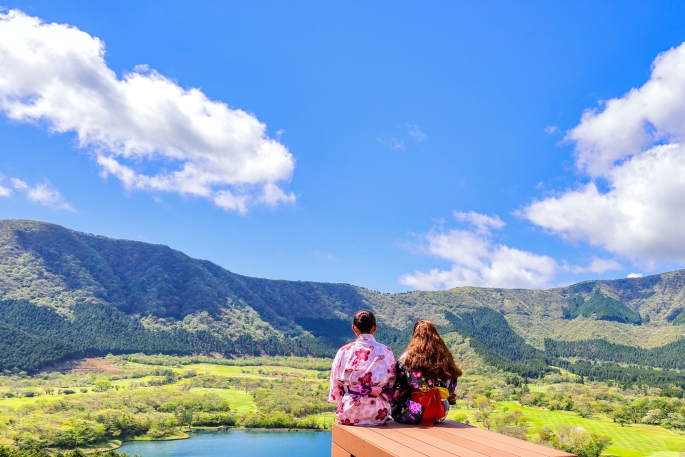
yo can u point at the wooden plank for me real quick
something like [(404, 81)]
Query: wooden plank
[(361, 442), (455, 424), (487, 449), (435, 447), (353, 444), (449, 439), (411, 443), (500, 441), (508, 440), (337, 451), (379, 442)]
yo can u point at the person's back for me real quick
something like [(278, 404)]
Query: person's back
[(426, 380), (361, 375)]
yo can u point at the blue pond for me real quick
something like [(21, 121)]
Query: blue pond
[(247, 443)]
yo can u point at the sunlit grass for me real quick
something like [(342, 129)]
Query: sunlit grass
[(132, 381), (249, 371), (325, 419), (237, 399), (630, 441), (19, 401)]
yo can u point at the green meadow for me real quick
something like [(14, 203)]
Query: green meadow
[(635, 440), (272, 396), (239, 400), (261, 371)]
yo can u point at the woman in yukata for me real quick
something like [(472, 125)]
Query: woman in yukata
[(426, 382), (361, 377)]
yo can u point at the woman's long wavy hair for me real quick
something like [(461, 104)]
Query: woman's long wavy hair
[(428, 353)]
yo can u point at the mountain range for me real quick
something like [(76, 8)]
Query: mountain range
[(66, 294)]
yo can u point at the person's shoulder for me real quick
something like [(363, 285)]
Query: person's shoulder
[(386, 350), (347, 347)]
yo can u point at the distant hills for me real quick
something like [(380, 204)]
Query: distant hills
[(89, 294)]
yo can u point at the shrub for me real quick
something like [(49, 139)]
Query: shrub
[(515, 432)]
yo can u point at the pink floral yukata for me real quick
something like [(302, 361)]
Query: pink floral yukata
[(357, 367)]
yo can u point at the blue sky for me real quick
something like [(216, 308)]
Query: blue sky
[(389, 145)]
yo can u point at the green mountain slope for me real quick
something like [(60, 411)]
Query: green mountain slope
[(26, 352), (680, 320), (94, 328), (102, 295), (601, 308), (495, 341), (667, 356)]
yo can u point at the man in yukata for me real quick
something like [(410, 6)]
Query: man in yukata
[(362, 376)]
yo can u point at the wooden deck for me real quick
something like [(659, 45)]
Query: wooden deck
[(448, 439)]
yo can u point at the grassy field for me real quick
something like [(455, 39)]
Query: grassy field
[(268, 372), (19, 401), (629, 441), (238, 399), (325, 419), (153, 398), (128, 382)]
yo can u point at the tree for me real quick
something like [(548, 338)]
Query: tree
[(653, 417), (184, 416), (102, 385), (87, 432), (675, 420), (579, 441)]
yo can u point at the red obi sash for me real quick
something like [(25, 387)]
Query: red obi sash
[(432, 406)]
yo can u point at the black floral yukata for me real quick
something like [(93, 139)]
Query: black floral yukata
[(415, 395)]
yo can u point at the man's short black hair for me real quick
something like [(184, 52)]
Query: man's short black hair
[(364, 320)]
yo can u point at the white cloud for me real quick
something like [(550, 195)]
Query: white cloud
[(43, 193), (551, 129), (477, 261), (598, 266), (415, 132), (396, 144), (634, 275), (144, 129), (634, 152), (631, 124), (391, 142), (227, 200), (4, 191), (482, 222)]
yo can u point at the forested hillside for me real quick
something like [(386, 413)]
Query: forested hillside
[(601, 308), (29, 352), (90, 294), (671, 355)]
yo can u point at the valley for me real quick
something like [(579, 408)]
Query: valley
[(140, 397), (103, 341)]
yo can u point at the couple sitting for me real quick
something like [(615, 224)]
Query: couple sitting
[(368, 385)]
